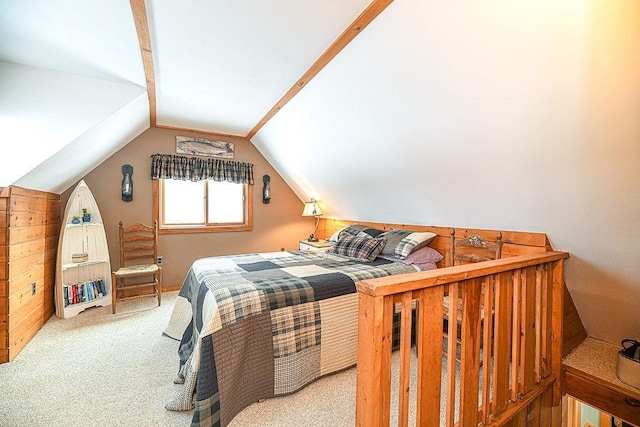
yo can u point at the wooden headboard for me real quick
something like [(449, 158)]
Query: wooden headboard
[(514, 242)]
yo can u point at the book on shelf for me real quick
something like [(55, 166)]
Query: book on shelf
[(76, 293)]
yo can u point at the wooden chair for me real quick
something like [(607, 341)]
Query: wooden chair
[(471, 249), (138, 268)]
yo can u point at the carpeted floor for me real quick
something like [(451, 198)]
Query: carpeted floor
[(95, 369), (100, 369)]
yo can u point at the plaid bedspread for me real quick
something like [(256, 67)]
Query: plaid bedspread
[(261, 325)]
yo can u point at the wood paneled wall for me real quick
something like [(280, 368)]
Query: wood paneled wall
[(29, 228), (4, 267), (538, 413), (573, 329)]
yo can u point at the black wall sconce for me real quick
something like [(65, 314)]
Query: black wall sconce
[(266, 190), (127, 183)]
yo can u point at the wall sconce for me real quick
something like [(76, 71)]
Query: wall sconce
[(127, 183), (312, 208), (266, 189)]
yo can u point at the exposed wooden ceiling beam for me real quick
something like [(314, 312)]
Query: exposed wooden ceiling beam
[(365, 18), (142, 27), (206, 132)]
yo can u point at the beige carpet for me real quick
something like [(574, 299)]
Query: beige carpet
[(95, 369), (99, 369)]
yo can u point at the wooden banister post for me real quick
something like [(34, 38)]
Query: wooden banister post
[(429, 343), (373, 390), (557, 338), (469, 351)]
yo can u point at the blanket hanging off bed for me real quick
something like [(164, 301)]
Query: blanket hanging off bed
[(261, 325)]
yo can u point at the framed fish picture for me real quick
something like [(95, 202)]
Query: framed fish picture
[(204, 147)]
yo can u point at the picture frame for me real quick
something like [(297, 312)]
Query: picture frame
[(204, 147)]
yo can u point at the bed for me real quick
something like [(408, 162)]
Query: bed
[(255, 326), (262, 325)]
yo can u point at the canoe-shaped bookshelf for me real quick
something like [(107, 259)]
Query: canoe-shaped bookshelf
[(83, 272)]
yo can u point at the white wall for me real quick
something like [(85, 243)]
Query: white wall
[(507, 115), (89, 150), (43, 111)]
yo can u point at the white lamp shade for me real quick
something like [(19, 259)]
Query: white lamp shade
[(311, 208)]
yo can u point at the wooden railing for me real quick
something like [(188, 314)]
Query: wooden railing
[(508, 342)]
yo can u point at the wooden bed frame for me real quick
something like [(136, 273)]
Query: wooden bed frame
[(524, 289), (513, 242)]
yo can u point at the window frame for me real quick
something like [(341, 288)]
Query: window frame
[(210, 228)]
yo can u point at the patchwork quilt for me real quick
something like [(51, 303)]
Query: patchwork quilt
[(261, 325)]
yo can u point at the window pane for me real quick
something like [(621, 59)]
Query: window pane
[(183, 202), (225, 202)]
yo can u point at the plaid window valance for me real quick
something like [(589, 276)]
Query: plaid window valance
[(169, 166)]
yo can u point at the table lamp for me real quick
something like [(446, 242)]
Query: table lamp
[(312, 208)]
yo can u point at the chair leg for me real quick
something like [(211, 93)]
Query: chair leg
[(159, 285), (114, 287)]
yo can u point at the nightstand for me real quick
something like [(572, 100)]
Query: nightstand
[(590, 376), (319, 246)]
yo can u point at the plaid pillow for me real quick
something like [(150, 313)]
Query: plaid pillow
[(356, 230), (358, 248), (400, 243)]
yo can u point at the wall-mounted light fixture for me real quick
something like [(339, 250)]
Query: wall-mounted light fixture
[(312, 208), (266, 189), (127, 183)]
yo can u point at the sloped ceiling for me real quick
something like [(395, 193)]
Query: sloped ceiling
[(222, 65), (506, 115), (69, 70)]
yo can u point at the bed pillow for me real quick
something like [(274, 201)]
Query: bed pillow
[(364, 249), (400, 243), (356, 230), (334, 237), (423, 255)]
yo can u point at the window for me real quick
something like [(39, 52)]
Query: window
[(202, 206)]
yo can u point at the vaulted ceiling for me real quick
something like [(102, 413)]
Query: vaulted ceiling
[(218, 67), (504, 115)]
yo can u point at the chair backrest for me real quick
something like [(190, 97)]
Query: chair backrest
[(476, 249), (138, 244)]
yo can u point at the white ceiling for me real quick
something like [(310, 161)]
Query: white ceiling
[(69, 68), (44, 113), (219, 67), (222, 65), (503, 115), (91, 38)]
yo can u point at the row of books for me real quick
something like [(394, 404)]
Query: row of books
[(77, 293)]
